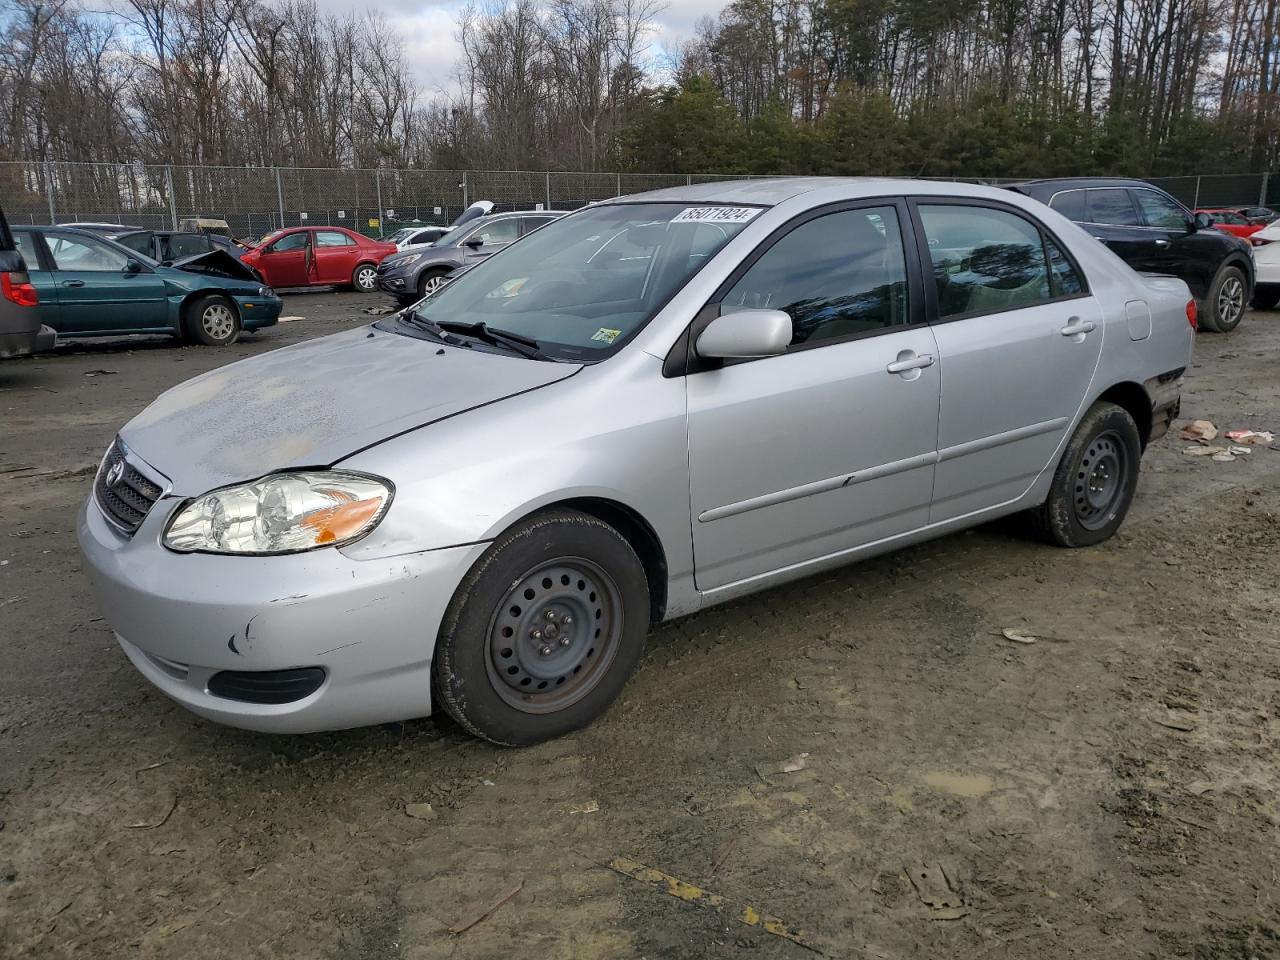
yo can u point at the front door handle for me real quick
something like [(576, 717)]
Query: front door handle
[(1077, 328), (73, 283), (909, 360), (1162, 243)]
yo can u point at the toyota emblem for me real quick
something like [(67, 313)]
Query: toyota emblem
[(115, 473)]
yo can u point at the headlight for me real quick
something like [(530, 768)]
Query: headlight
[(404, 261), (282, 513), (266, 292)]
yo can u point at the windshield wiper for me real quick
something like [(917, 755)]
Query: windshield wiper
[(525, 346), (414, 319)]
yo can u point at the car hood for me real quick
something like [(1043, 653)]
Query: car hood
[(431, 254), (318, 402), (217, 263)]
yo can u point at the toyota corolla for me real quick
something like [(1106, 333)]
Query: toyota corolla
[(653, 405)]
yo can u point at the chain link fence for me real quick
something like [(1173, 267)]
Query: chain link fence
[(256, 200)]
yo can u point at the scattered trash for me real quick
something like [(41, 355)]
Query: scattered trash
[(935, 890), (1224, 456), (1201, 430), (5, 603), (378, 311), (142, 825), (487, 783), (419, 811), (589, 807), (689, 893), (1239, 451), (4, 563), (100, 373), (1009, 634), (288, 319), (1251, 438), (792, 765), (1204, 451), (458, 928), (1199, 787)]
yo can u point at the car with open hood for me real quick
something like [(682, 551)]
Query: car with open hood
[(652, 405), (91, 286)]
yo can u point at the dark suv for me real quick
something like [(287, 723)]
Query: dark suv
[(1154, 233), (21, 331)]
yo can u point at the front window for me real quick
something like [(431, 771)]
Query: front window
[(82, 253), (1160, 211), (499, 231), (583, 285), (290, 241)]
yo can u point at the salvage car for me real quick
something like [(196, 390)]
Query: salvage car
[(319, 256), (1154, 233), (653, 405), (414, 274), (1266, 256), (165, 246), (21, 329), (91, 286)]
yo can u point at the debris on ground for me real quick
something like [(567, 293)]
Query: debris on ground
[(458, 928), (791, 765), (419, 811), (376, 311), (144, 825), (1200, 430), (100, 373), (722, 857), (1173, 721), (1251, 438), (1204, 451), (590, 806), (288, 319), (936, 891), (1010, 634), (5, 603), (1224, 456)]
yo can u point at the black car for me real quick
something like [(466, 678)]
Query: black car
[(163, 246), (1154, 233), (21, 331), (412, 274)]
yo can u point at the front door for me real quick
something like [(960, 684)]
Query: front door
[(492, 237), (288, 262), (96, 289), (1019, 336), (831, 445), (1173, 245)]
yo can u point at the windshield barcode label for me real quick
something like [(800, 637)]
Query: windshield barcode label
[(715, 215)]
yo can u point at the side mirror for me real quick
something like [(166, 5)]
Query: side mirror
[(475, 243), (1202, 222), (132, 266), (746, 334)]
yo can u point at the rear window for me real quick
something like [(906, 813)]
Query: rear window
[(1111, 206), (26, 245), (1070, 203)]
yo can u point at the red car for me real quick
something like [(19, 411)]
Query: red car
[(319, 256), (1231, 221)]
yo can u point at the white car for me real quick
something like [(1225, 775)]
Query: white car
[(1266, 261)]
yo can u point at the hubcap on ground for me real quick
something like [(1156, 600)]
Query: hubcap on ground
[(554, 635), (218, 321), (1100, 480), (1230, 301), (365, 278)]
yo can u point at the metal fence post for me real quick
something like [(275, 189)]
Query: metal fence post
[(1262, 190), (465, 202), (377, 184), (280, 196), (48, 185), (1195, 204), (548, 189), (618, 192), (173, 205)]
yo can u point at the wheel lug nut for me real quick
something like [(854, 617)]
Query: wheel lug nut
[(568, 620), (536, 634), (565, 641), (545, 651), (551, 614)]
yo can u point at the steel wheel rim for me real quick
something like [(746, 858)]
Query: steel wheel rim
[(365, 277), (1100, 480), (1230, 301), (431, 285), (538, 661), (218, 321)]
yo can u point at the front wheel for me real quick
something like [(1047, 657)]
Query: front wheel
[(212, 320), (365, 278), (543, 631), (431, 282), (1224, 308), (1094, 484)]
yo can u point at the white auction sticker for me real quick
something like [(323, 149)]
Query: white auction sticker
[(715, 215)]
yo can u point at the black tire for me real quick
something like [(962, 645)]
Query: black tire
[(429, 280), (211, 320), (1266, 298), (365, 277), (1105, 450), (1224, 307), (490, 673)]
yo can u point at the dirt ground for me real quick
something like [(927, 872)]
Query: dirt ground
[(1110, 790)]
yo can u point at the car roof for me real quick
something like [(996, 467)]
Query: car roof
[(765, 191), (1078, 183)]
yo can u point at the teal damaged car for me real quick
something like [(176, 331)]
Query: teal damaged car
[(90, 286)]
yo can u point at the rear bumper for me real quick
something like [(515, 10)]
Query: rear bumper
[(1165, 392), (40, 340)]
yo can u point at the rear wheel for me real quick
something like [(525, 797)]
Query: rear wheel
[(543, 631), (212, 320), (365, 277), (1266, 298), (1094, 484), (1225, 305)]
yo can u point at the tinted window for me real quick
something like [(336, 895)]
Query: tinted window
[(1110, 206), (1159, 211), (26, 245), (332, 238), (137, 242), (984, 260), (1070, 204), (533, 223), (837, 275), (82, 253), (186, 245), (499, 231), (1062, 275), (290, 241)]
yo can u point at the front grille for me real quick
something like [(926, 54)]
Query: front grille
[(266, 686), (123, 493)]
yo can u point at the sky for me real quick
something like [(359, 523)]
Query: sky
[(428, 28)]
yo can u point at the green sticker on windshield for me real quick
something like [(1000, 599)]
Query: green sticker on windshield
[(606, 335)]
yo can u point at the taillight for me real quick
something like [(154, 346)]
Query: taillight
[(1192, 316), (1259, 241), (17, 288)]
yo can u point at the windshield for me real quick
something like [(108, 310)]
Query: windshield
[(456, 234), (582, 285), (404, 233)]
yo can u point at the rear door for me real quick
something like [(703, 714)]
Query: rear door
[(831, 445), (335, 256), (1111, 215), (96, 289), (1019, 337), (28, 244)]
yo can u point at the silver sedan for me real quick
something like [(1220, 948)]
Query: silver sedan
[(648, 407)]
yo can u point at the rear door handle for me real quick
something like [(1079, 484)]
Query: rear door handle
[(908, 361), (1076, 327), (73, 283)]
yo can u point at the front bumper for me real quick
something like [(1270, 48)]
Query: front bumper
[(371, 625), (40, 340), (256, 312)]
